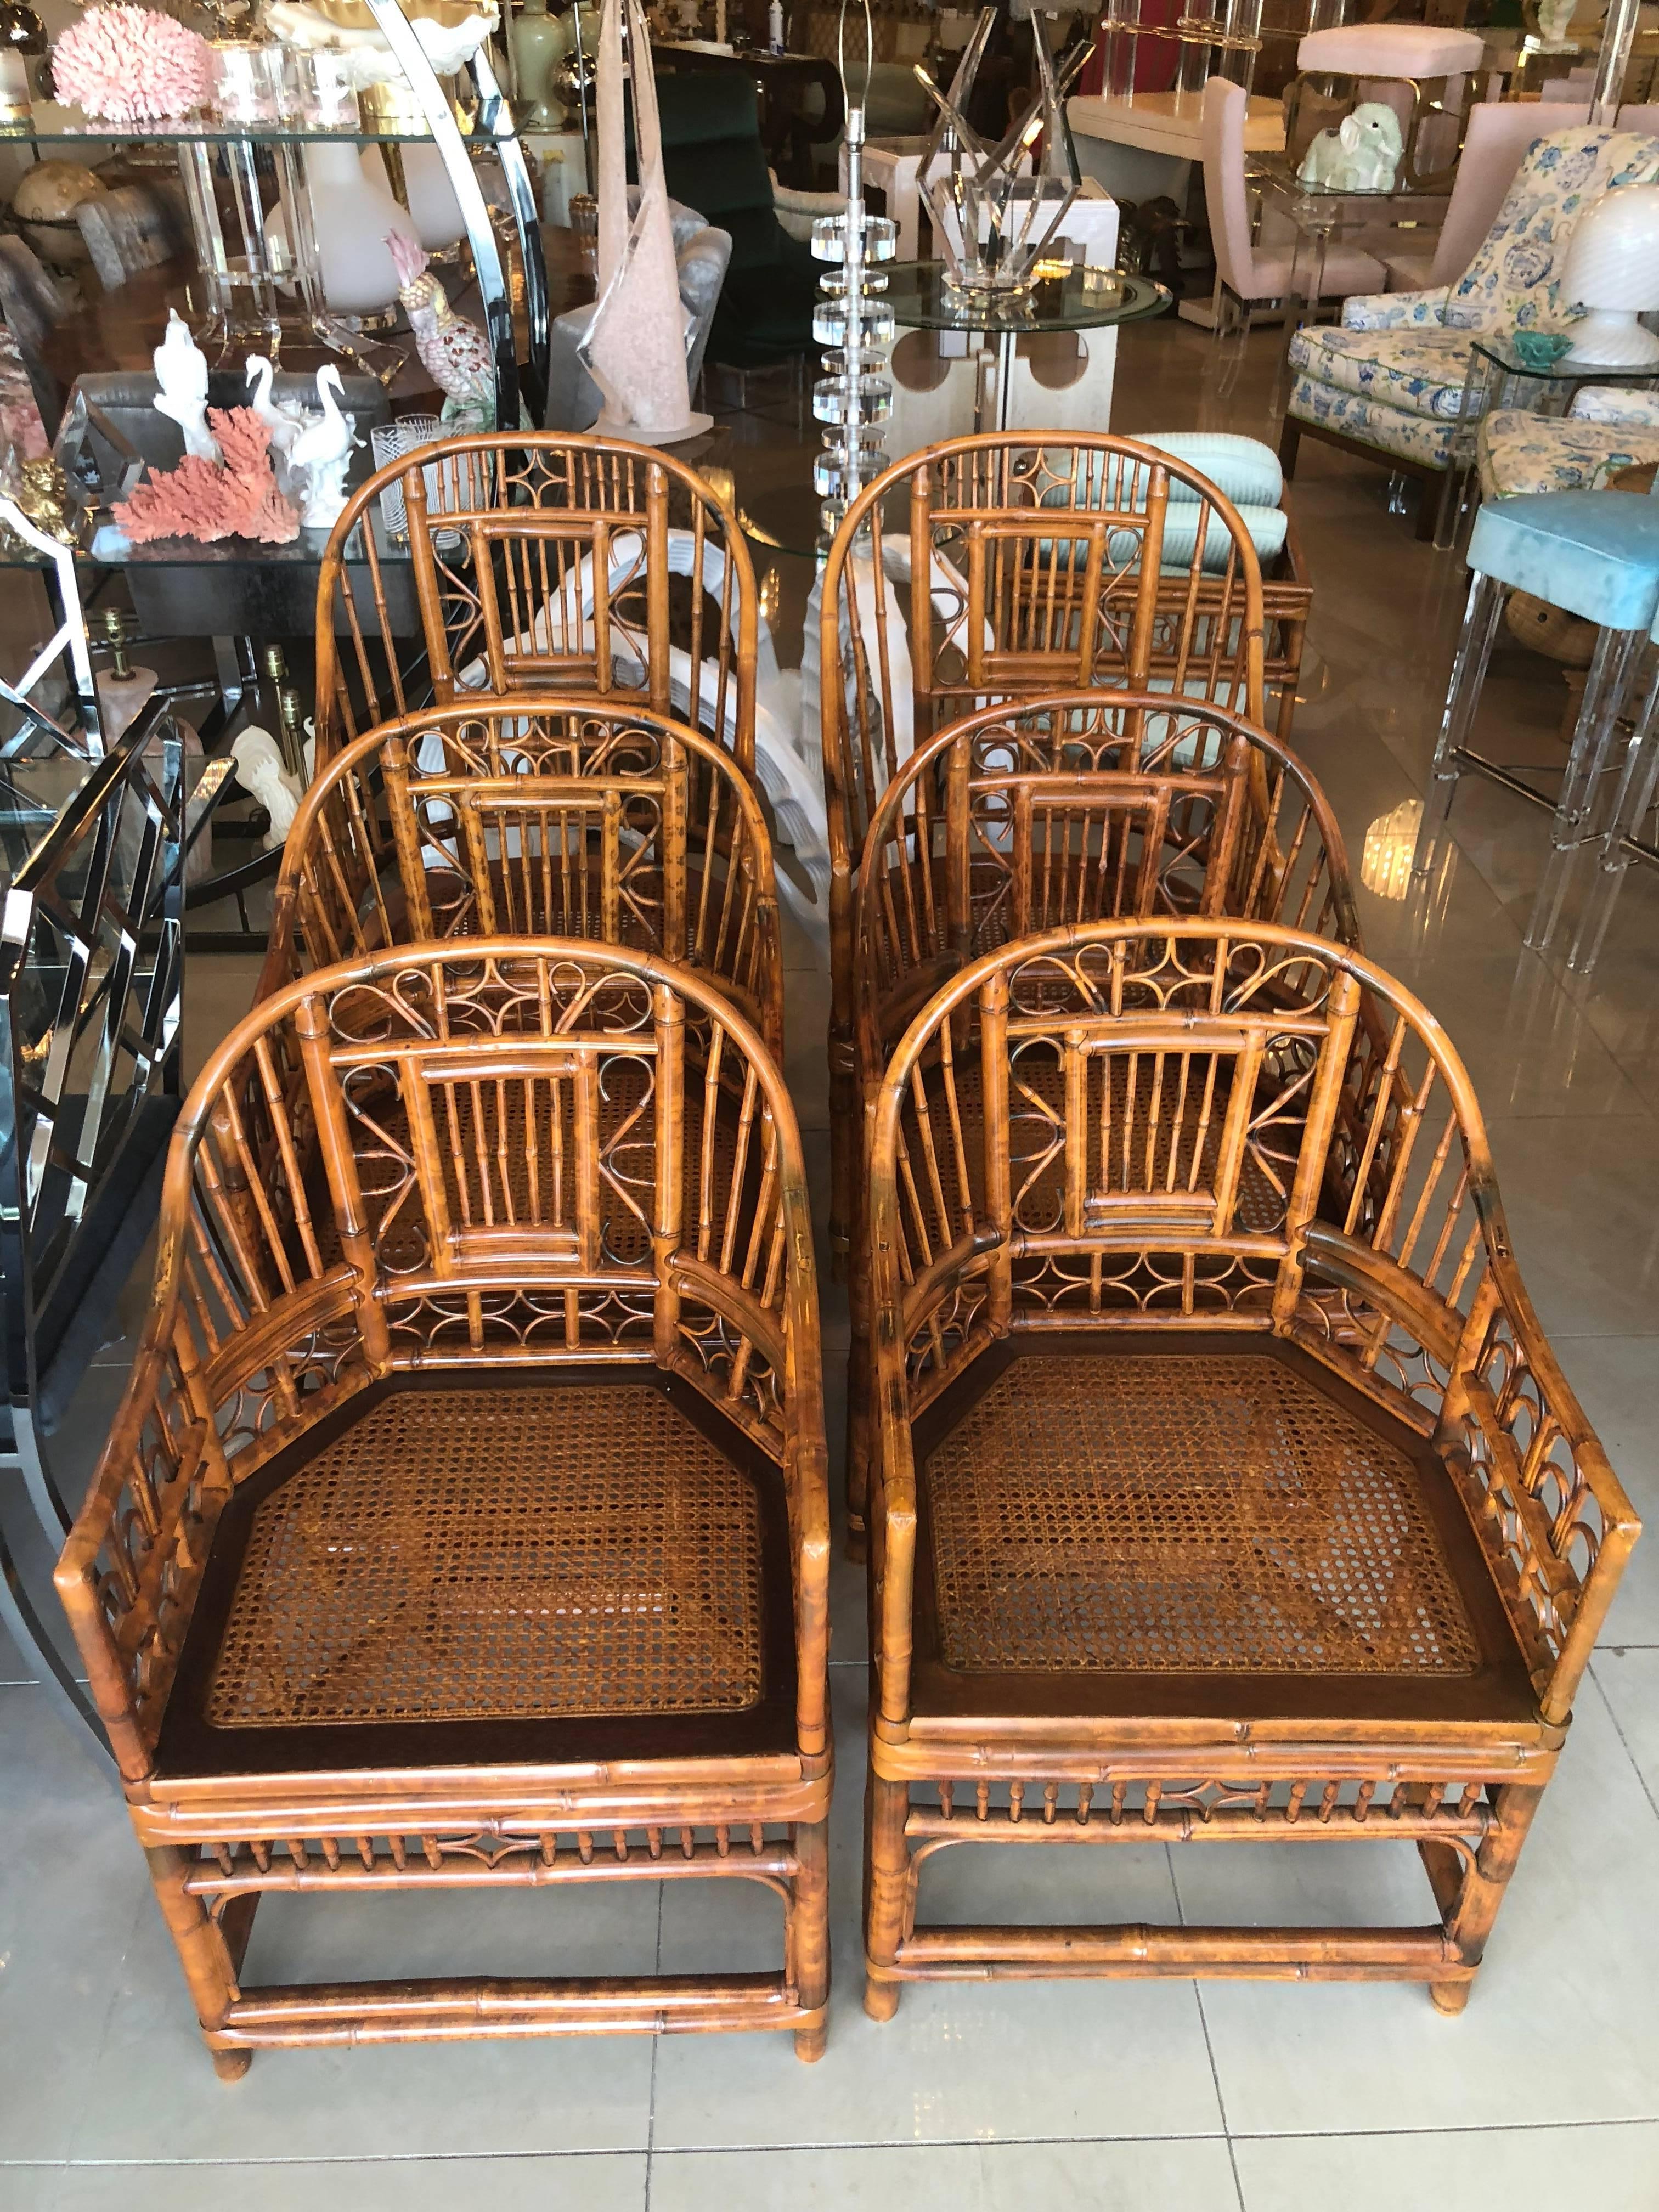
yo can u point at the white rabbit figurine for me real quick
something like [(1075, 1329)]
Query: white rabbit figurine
[(260, 772), (1362, 154), (181, 370)]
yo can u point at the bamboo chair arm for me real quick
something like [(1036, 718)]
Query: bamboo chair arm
[(1537, 1480)]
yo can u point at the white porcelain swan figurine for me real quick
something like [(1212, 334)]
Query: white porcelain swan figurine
[(181, 371), (323, 450), (282, 419)]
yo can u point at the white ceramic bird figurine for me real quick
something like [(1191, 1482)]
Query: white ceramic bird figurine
[(454, 352), (323, 450), (181, 371), (282, 419)]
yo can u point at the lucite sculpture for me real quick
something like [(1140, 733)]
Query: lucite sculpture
[(854, 396), (996, 209)]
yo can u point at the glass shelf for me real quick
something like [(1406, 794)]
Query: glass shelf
[(55, 125)]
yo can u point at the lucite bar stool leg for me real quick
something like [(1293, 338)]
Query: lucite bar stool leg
[(1570, 828), (1638, 788), (1463, 693)]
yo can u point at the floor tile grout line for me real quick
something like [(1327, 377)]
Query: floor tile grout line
[(1204, 2025), (819, 2149), (656, 2045), (1641, 1779)]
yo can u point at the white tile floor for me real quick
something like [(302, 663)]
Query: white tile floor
[(1545, 2092)]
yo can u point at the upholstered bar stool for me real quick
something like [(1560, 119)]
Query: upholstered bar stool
[(1594, 554)]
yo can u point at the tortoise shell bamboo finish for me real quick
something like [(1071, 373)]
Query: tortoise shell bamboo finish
[(541, 562), (1015, 568), (551, 817), (1226, 1489), (465, 1522), (1089, 806)]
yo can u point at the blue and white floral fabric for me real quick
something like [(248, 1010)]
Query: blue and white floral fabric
[(1405, 354), (1395, 311), (1418, 438), (1607, 429), (1421, 372), (1520, 452)]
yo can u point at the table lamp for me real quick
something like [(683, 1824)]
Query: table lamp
[(1613, 272)]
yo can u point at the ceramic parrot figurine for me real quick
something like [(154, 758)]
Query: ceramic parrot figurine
[(454, 352)]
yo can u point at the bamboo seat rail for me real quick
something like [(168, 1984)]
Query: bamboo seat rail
[(1225, 1488), (464, 1522)]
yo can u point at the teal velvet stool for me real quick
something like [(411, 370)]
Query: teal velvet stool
[(1597, 555)]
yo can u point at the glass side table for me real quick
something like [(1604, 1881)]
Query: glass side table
[(921, 300), (1498, 378), (1319, 211)]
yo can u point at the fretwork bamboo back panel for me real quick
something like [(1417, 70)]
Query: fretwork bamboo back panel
[(517, 1153), (540, 562), (1090, 807), (554, 817), (1187, 1126)]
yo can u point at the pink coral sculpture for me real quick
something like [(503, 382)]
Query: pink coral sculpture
[(198, 500), (131, 65)]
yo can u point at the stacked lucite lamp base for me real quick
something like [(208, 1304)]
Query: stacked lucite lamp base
[(854, 323)]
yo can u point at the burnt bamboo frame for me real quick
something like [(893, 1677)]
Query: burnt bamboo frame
[(1390, 1272), (288, 1284), (1022, 618), (515, 519), (1087, 806), (628, 827)]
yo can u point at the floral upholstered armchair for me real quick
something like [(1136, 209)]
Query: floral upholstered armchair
[(1606, 429), (1390, 379)]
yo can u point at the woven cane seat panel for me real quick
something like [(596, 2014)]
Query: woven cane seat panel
[(1166, 1515), (512, 1554)]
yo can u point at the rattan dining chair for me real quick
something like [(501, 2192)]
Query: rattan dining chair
[(567, 818), (993, 568), (1228, 1491), (1086, 808), (540, 560), (464, 1522)]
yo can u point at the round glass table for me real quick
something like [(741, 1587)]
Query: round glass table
[(921, 300)]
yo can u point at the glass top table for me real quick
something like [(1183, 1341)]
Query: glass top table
[(921, 299)]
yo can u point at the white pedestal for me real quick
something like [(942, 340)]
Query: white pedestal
[(559, 153)]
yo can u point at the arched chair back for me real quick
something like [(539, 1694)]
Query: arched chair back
[(547, 816), (540, 560)]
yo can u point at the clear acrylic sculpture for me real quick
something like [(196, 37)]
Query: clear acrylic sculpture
[(996, 209), (853, 320)]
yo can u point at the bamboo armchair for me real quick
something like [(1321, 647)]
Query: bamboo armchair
[(1017, 569), (1228, 1489), (1091, 806), (464, 1522), (540, 560), (562, 817)]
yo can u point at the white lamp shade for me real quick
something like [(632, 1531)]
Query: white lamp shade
[(1612, 260)]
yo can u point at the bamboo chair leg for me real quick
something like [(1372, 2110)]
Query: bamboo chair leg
[(210, 1970), (858, 1417), (886, 1875), (810, 1933), (1480, 1894)]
